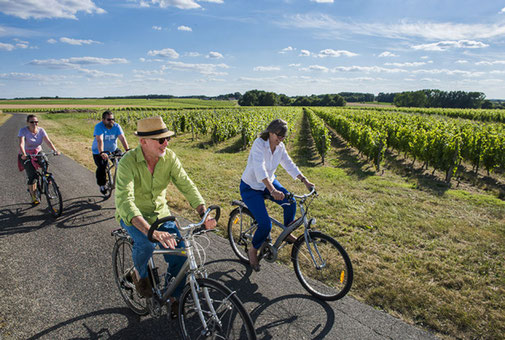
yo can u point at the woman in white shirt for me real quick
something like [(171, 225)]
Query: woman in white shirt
[(258, 180)]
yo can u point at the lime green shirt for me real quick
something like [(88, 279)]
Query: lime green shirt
[(138, 193)]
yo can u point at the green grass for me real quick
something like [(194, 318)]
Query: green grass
[(176, 102), (432, 256), (4, 117)]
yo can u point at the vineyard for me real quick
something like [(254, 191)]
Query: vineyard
[(443, 139)]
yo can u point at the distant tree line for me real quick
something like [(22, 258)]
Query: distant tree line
[(263, 98), (438, 98)]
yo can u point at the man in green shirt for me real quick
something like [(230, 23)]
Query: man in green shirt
[(143, 175)]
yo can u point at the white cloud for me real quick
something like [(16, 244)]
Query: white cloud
[(502, 10), (267, 68), (166, 52), (76, 62), (387, 54), (295, 65), (496, 62), (403, 29), (39, 9), (461, 61), (184, 28), (181, 4), (304, 53), (368, 69), (78, 42), (214, 55), (414, 64), (7, 47), (445, 45), (450, 72), (287, 49), (29, 76), (323, 1), (157, 28), (333, 53), (317, 68), (207, 69), (52, 41), (193, 54)]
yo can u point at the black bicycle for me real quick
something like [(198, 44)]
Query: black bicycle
[(207, 308), (111, 171), (46, 184), (321, 264)]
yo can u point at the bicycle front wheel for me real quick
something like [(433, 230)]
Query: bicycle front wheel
[(241, 229), (53, 195), (122, 263), (222, 310), (322, 266), (108, 184)]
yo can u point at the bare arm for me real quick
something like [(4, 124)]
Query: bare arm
[(305, 181), (48, 141), (124, 142), (99, 145), (22, 147)]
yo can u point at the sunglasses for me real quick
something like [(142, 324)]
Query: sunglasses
[(110, 119), (162, 140), (280, 135), (34, 122)]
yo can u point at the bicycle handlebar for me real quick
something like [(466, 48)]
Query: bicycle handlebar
[(290, 195), (193, 226)]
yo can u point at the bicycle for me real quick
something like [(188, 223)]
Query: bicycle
[(207, 309), (110, 171), (46, 184), (320, 263)]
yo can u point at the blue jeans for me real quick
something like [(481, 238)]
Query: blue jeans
[(143, 250), (255, 201)]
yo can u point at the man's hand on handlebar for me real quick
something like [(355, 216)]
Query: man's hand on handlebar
[(104, 155), (167, 240), (210, 223), (277, 195)]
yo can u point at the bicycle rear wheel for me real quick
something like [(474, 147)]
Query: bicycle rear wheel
[(53, 195), (122, 263), (241, 229), (325, 269), (222, 310)]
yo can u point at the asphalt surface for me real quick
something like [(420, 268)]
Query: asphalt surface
[(56, 277)]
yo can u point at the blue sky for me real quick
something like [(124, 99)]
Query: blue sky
[(95, 48)]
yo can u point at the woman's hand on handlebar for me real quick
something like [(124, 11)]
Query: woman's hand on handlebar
[(277, 195), (167, 240)]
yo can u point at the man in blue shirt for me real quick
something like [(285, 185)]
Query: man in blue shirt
[(106, 134)]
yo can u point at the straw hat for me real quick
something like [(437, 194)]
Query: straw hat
[(152, 127)]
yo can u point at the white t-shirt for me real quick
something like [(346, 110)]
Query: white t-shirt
[(262, 163)]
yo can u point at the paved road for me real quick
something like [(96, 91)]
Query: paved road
[(56, 278)]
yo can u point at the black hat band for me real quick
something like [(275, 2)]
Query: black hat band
[(151, 133)]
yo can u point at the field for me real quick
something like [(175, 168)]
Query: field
[(423, 249), (76, 103)]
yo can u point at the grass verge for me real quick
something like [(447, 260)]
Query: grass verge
[(429, 256)]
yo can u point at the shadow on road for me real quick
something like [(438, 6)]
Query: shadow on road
[(77, 212), (290, 316), (107, 323)]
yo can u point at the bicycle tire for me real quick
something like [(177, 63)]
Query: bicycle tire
[(334, 280), (108, 183), (38, 188), (122, 263), (241, 229), (53, 196), (234, 321)]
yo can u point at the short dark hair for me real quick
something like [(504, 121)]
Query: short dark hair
[(30, 117), (106, 113), (277, 126)]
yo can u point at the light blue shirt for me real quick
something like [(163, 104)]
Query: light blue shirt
[(109, 137)]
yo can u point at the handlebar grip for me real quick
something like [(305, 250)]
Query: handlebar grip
[(156, 224), (218, 211)]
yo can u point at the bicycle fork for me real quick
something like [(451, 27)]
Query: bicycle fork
[(308, 242)]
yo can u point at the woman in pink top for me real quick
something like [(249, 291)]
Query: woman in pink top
[(30, 143)]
